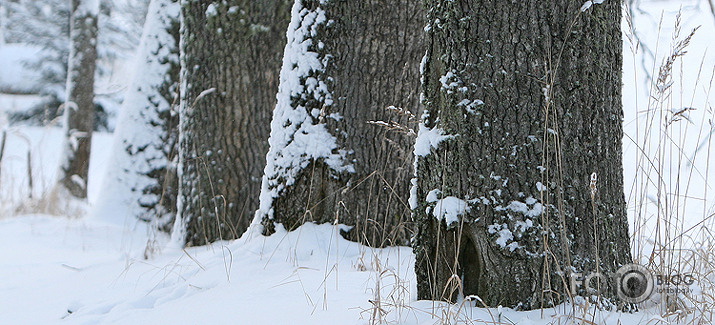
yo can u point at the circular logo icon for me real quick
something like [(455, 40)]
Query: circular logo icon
[(635, 283)]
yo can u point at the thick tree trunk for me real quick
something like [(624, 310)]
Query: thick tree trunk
[(79, 106), (345, 64), (230, 65), (143, 171), (522, 107)]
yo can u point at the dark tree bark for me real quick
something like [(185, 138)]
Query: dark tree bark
[(522, 106), (143, 168), (230, 64), (345, 63), (79, 106)]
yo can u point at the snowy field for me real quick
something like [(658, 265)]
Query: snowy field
[(93, 270)]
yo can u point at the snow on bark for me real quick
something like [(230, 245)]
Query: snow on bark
[(586, 5), (298, 132), (88, 7), (427, 139), (449, 208), (141, 139)]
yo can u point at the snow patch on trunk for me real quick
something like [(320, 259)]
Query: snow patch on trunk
[(428, 138), (88, 7), (449, 208)]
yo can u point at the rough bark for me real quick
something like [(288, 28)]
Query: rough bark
[(230, 54), (368, 59), (79, 106), (527, 99)]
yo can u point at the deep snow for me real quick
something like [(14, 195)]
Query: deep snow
[(77, 271)]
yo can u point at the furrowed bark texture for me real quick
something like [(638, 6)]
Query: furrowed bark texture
[(372, 51), (235, 48), (79, 106), (521, 163)]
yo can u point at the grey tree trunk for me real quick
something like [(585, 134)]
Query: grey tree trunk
[(143, 168), (522, 110), (79, 106), (3, 19), (345, 63), (230, 62)]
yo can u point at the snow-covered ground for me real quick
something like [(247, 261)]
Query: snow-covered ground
[(93, 270), (43, 144), (78, 271)]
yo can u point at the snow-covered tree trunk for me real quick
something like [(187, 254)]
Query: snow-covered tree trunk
[(141, 180), (519, 170), (345, 63), (79, 106), (230, 61)]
